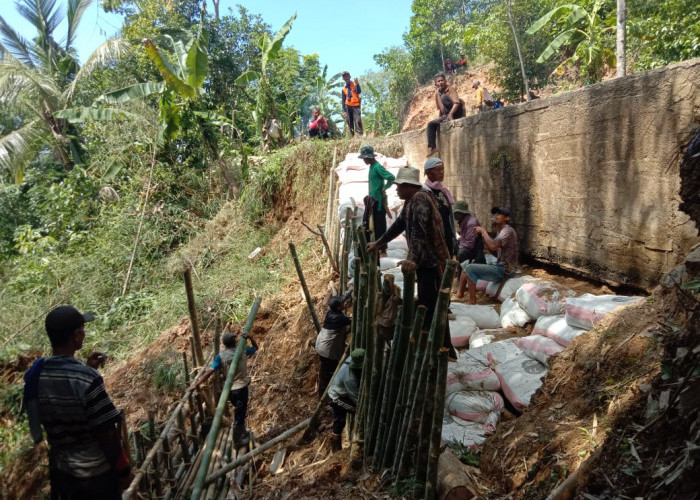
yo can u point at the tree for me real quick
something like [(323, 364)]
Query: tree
[(586, 33), (41, 75), (517, 46), (621, 48)]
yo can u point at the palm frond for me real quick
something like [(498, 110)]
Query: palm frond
[(15, 44), (111, 50), (16, 77), (76, 9), (80, 115), (16, 150), (42, 14)]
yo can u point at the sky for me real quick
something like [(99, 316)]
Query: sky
[(345, 34)]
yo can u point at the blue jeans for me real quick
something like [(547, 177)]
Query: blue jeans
[(487, 272)]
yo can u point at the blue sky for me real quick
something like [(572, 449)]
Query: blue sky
[(345, 34)]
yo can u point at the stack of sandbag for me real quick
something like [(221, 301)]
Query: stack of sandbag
[(539, 347), (461, 329), (470, 373), (585, 311), (486, 336), (557, 329), (542, 298)]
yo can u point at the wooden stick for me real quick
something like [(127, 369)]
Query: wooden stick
[(307, 295), (125, 435), (257, 451), (331, 178), (154, 461), (192, 306), (436, 429)]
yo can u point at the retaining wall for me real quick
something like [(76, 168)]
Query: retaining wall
[(591, 175)]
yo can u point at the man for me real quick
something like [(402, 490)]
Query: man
[(471, 244), (449, 66), (343, 394), (449, 106), (330, 343), (427, 251), (351, 104), (318, 126), (461, 62), (483, 98), (68, 399), (434, 170), (239, 390), (379, 181), (505, 244)]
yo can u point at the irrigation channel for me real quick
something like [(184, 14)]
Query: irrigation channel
[(395, 430)]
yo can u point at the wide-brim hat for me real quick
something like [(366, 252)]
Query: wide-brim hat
[(367, 152), (408, 175), (460, 207)]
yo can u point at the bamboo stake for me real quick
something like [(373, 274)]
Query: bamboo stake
[(192, 306), (324, 240), (183, 437), (125, 435), (425, 424), (257, 451), (336, 228), (411, 373), (310, 431), (307, 295), (152, 439), (223, 399), (331, 178), (187, 369), (375, 345), (436, 429), (355, 304)]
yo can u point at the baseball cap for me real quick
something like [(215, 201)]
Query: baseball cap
[(500, 210), (433, 163), (64, 320), (229, 339)]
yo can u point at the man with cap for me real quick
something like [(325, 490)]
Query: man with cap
[(343, 393), (434, 170), (68, 399), (351, 104), (449, 106), (379, 181), (427, 251), (471, 244), (239, 390), (482, 100), (505, 244), (330, 343)]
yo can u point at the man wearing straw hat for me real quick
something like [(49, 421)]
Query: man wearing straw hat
[(427, 251)]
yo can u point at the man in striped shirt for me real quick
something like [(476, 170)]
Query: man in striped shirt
[(68, 399)]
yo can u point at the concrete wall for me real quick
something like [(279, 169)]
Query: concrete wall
[(591, 175)]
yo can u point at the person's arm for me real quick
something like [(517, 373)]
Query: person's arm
[(342, 99), (357, 87), (203, 377), (323, 122), (398, 227), (313, 125), (249, 351), (455, 104), (490, 243), (109, 441), (387, 176)]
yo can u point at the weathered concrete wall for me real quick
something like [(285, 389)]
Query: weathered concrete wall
[(591, 176)]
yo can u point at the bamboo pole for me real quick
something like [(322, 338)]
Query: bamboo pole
[(257, 451), (411, 374), (186, 368), (192, 306), (324, 240), (307, 295), (331, 178), (436, 428), (183, 437), (223, 399), (316, 417), (376, 348), (354, 327), (399, 408), (152, 440)]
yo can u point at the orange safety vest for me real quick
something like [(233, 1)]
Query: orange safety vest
[(354, 97)]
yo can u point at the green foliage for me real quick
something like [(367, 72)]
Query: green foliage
[(466, 454), (396, 62), (587, 35), (167, 371)]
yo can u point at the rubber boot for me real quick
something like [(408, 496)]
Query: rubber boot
[(336, 442), (240, 435)]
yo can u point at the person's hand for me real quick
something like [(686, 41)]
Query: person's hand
[(407, 266), (480, 230), (357, 82), (449, 117), (371, 247), (96, 360)]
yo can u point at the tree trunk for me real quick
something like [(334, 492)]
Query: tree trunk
[(517, 46), (621, 38)]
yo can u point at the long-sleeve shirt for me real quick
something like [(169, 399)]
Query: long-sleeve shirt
[(424, 231), (319, 122), (346, 384), (379, 180), (467, 233), (447, 216)]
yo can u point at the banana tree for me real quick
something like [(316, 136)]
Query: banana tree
[(183, 78), (586, 32), (265, 113), (41, 76)]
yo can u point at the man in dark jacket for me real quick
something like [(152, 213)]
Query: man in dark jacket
[(330, 342)]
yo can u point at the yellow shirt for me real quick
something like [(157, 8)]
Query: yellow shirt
[(479, 96)]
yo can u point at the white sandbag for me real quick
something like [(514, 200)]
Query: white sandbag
[(510, 287), (482, 337), (587, 310), (456, 430), (353, 190), (520, 378), (399, 243), (539, 347), (542, 298), (386, 263), (492, 288), (397, 253), (484, 316), (468, 373), (494, 353), (461, 329), (481, 285), (512, 314), (475, 406), (557, 329)]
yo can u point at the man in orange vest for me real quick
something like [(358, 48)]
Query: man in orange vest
[(351, 104)]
